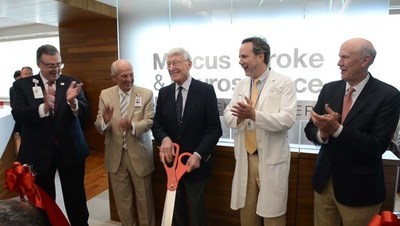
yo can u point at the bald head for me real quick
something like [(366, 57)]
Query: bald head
[(362, 47), (120, 63), (122, 74)]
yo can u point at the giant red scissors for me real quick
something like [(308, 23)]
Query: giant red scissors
[(174, 174)]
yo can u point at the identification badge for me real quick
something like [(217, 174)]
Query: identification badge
[(250, 124), (37, 92), (138, 101)]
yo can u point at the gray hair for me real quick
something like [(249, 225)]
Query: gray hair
[(179, 51), (115, 64)]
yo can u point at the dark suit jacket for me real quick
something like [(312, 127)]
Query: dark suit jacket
[(354, 158), (41, 137), (201, 126)]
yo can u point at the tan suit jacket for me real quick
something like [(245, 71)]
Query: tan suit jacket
[(140, 147)]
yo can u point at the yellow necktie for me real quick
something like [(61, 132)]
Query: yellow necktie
[(250, 135)]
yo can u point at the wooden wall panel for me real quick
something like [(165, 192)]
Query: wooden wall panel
[(88, 48)]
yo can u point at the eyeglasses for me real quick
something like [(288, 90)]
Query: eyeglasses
[(52, 66), (175, 63)]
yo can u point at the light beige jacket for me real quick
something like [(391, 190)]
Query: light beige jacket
[(140, 147)]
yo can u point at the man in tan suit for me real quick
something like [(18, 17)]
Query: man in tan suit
[(128, 147)]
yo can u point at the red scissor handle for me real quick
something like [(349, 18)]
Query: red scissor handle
[(176, 171)]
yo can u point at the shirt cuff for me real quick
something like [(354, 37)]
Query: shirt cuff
[(133, 131), (338, 131), (197, 154), (103, 125), (74, 110), (322, 141), (42, 114)]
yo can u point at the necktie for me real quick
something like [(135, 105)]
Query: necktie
[(179, 106), (124, 112), (250, 134), (52, 92), (347, 102)]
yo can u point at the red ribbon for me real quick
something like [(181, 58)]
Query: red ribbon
[(387, 218), (21, 180)]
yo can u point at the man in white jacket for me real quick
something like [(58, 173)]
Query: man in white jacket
[(260, 182)]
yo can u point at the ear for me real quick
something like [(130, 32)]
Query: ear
[(366, 61), (260, 57)]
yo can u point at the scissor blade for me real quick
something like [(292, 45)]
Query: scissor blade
[(168, 208)]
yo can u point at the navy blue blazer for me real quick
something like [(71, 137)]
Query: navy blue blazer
[(42, 137), (354, 158), (201, 126)]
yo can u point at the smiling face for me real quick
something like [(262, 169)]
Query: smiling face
[(50, 66), (124, 76), (252, 64), (178, 68)]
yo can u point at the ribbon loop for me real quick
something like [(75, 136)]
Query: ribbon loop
[(21, 180)]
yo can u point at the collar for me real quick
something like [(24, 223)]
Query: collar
[(360, 86), (120, 92), (45, 80), (264, 75), (185, 85)]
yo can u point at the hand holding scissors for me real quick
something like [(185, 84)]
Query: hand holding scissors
[(174, 174)]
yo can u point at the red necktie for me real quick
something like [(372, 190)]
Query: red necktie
[(347, 102), (50, 87)]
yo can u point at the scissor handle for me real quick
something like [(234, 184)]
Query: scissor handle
[(182, 167), (176, 171), (172, 182)]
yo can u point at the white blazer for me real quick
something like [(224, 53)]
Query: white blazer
[(275, 115)]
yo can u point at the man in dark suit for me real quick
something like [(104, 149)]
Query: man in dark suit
[(197, 131), (51, 134), (348, 179)]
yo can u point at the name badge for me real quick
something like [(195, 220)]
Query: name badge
[(138, 101), (250, 124), (37, 92)]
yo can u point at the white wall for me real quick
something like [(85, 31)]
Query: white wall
[(16, 54)]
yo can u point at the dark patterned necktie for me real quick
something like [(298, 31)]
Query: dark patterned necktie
[(179, 106)]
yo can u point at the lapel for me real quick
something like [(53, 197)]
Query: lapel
[(365, 95), (115, 102), (132, 97), (61, 90), (170, 101), (267, 86), (335, 98)]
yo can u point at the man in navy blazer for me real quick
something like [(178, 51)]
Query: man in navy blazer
[(198, 133), (348, 178), (52, 140)]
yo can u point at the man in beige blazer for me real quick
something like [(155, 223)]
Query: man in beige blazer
[(128, 147)]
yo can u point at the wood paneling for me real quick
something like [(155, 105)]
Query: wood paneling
[(88, 48)]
